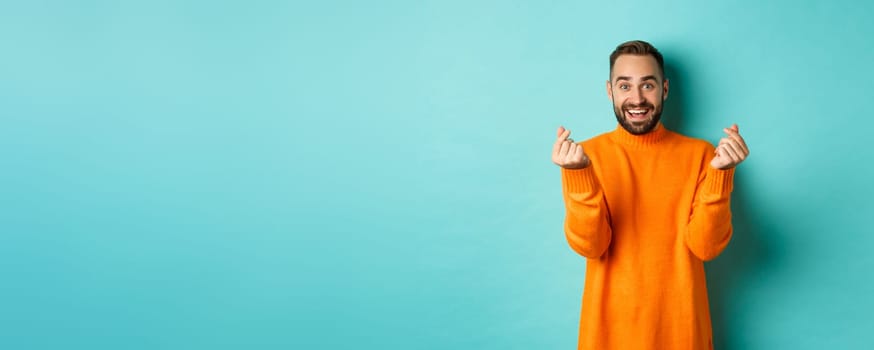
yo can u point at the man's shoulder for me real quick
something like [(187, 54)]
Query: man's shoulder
[(598, 139), (691, 142)]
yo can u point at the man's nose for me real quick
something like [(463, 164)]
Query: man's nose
[(637, 96)]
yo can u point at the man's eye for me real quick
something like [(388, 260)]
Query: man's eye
[(648, 86), (623, 87)]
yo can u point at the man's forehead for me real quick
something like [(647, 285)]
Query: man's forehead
[(634, 67)]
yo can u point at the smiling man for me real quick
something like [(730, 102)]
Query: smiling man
[(646, 207)]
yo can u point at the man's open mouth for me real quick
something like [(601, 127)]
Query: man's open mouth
[(637, 114)]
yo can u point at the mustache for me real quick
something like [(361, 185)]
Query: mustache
[(639, 105)]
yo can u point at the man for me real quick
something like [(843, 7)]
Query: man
[(646, 206)]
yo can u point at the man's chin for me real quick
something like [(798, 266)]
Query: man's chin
[(639, 127), (640, 124)]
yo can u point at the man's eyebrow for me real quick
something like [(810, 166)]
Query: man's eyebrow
[(648, 77)]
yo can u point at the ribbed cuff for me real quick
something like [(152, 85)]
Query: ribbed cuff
[(719, 181), (579, 180)]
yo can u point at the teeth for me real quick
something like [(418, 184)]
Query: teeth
[(637, 111)]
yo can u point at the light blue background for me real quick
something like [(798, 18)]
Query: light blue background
[(376, 175)]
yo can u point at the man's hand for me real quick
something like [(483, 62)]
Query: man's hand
[(731, 150), (566, 153)]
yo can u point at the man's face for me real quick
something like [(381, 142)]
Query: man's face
[(637, 90)]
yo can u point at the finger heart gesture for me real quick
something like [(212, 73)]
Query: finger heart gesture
[(568, 154), (731, 150)]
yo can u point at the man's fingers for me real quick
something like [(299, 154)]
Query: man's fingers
[(740, 142), (582, 155), (556, 147), (733, 133), (725, 144), (578, 152), (562, 152), (573, 154), (736, 148), (565, 151), (564, 134), (727, 154)]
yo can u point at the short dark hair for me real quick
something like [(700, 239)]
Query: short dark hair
[(640, 48)]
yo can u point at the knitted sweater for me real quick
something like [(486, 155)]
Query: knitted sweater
[(646, 214)]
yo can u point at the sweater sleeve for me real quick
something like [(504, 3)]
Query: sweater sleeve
[(709, 229), (586, 225)]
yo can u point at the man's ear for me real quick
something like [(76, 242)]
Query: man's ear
[(609, 90), (665, 87)]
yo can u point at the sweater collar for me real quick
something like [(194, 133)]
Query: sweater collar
[(623, 136)]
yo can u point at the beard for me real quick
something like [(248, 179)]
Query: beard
[(638, 127)]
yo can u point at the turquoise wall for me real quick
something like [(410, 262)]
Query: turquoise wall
[(363, 175)]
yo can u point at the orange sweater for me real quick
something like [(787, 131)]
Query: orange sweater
[(646, 214)]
